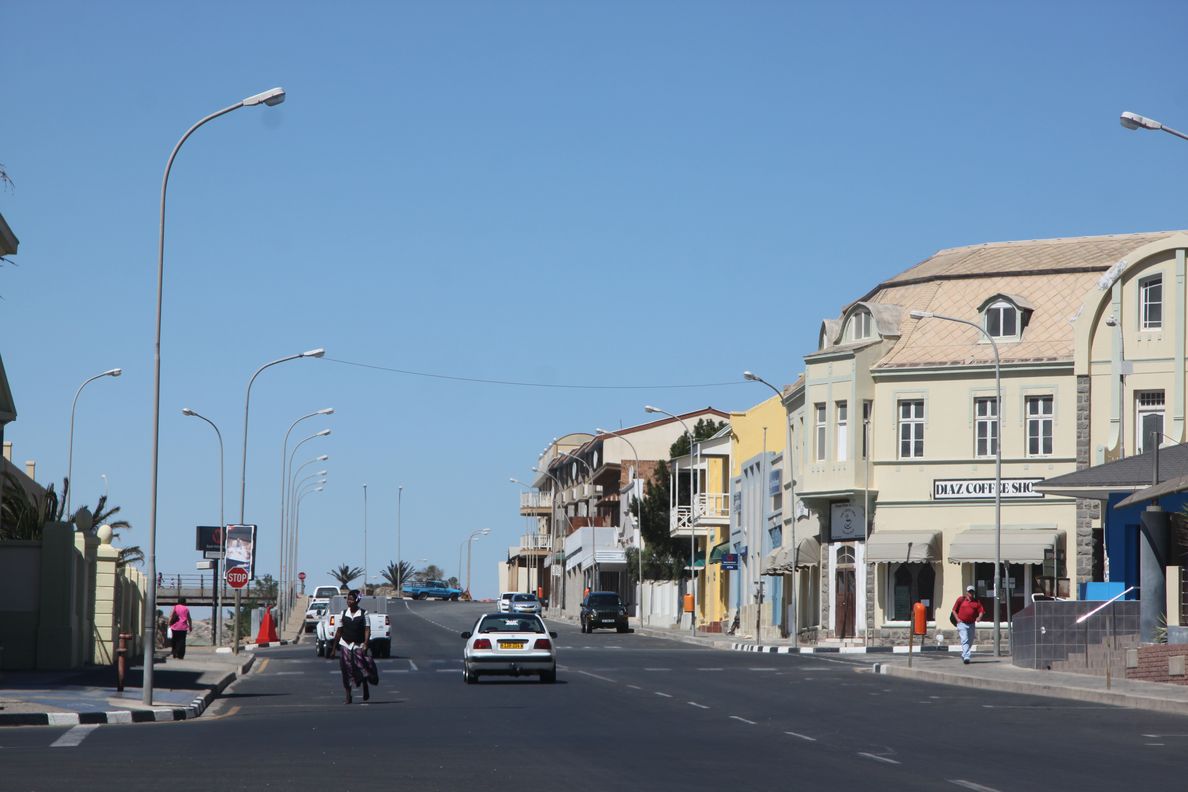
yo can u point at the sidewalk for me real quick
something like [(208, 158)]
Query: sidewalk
[(942, 665), (182, 689)]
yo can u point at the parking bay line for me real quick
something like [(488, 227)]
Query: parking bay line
[(801, 736), (75, 736), (695, 704), (744, 720), (665, 695), (877, 758)]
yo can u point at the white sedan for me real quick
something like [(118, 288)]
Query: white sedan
[(509, 645)]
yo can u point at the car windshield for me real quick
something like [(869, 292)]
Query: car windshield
[(603, 600), (524, 598), (504, 624)]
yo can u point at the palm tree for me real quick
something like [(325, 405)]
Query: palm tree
[(345, 574), (397, 574)]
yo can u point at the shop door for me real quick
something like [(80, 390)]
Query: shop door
[(844, 603)]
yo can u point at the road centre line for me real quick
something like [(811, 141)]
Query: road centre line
[(658, 693), (263, 665), (971, 785), (761, 669), (657, 669), (709, 669), (877, 758), (695, 704), (75, 736), (801, 736), (744, 720), (604, 679), (635, 687)]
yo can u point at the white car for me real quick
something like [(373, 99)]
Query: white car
[(509, 645), (505, 601), (525, 603)]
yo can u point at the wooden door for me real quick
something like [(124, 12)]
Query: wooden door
[(844, 595)]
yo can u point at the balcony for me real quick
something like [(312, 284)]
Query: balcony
[(713, 508), (586, 491), (535, 543), (535, 504)]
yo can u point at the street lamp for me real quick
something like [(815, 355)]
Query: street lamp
[(634, 481), (556, 525), (790, 506), (997, 465), (1136, 121), (115, 372), (218, 588), (399, 563), (469, 545), (692, 517), (281, 580), (270, 98), (364, 540), (297, 514)]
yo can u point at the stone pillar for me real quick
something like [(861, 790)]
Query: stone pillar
[(105, 613), (87, 545), (1153, 572)]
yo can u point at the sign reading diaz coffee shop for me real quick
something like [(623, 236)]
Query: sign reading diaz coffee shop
[(983, 488)]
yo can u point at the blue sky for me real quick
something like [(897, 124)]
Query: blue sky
[(651, 193)]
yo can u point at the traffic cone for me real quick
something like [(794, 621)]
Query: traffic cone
[(267, 632)]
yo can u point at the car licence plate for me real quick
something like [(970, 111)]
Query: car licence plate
[(512, 644)]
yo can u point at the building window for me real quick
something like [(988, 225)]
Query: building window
[(860, 326), (1148, 419), (1039, 425), (819, 411), (843, 438), (1151, 303), (985, 427), (1016, 588), (911, 429), (846, 555), (867, 411), (911, 583), (1002, 320)]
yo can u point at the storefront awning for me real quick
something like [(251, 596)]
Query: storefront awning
[(1018, 545), (777, 562), (719, 551), (808, 553), (903, 547)]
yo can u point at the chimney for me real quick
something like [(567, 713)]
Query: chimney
[(8, 450), (31, 468)]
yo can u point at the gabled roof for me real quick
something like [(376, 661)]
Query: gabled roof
[(1129, 474)]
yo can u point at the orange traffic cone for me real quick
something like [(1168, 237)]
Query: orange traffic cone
[(267, 632)]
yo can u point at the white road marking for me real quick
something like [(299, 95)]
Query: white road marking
[(1158, 736), (971, 785), (635, 687), (744, 720), (802, 736), (446, 670), (412, 666), (761, 669), (604, 679), (657, 669), (75, 736), (1154, 743), (658, 693), (709, 669), (287, 673), (877, 758), (695, 704)]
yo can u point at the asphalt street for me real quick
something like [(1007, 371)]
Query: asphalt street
[(627, 712)]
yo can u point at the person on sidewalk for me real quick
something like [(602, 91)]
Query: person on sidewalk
[(179, 622), (352, 639), (967, 611)]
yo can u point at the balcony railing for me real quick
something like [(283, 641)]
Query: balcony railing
[(536, 500), (536, 541), (713, 504)]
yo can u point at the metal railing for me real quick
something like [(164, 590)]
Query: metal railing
[(536, 541), (536, 500), (713, 504)]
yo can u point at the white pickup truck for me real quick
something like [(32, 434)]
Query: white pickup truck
[(377, 619)]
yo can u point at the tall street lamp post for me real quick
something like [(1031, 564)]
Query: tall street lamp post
[(364, 540), (115, 372), (1136, 121), (556, 531), (269, 98), (634, 482), (218, 587), (283, 567), (693, 474), (399, 562), (469, 546), (997, 468), (791, 504), (590, 518)]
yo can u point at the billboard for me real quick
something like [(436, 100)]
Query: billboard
[(241, 548), (209, 539)]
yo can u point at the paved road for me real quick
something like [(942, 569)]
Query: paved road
[(628, 712)]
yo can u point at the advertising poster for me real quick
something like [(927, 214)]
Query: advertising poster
[(241, 548)]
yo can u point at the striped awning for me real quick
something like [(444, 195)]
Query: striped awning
[(903, 547), (1018, 545)]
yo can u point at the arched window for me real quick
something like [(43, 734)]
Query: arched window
[(845, 555), (860, 327)]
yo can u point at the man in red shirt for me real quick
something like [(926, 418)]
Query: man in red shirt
[(968, 610)]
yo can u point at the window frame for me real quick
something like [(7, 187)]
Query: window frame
[(1036, 424), (914, 591), (1142, 410), (841, 434), (867, 416), (860, 326), (1145, 287), (820, 431), (989, 421), (913, 422), (1000, 308)]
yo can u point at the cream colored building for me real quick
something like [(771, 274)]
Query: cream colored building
[(895, 448)]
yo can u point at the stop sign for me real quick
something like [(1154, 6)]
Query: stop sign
[(237, 577), (301, 576)]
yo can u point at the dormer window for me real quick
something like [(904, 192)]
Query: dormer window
[(860, 327), (1002, 320)]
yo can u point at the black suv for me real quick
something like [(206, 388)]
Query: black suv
[(603, 609)]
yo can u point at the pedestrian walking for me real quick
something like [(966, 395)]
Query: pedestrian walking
[(967, 610), (352, 640), (180, 623)]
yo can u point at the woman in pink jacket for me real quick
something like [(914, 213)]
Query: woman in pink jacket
[(179, 622)]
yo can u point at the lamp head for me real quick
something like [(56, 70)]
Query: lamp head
[(319, 489), (326, 411), (650, 409), (750, 376), (188, 411), (115, 372), (272, 97), (1111, 321), (1136, 121), (323, 457), (600, 431), (322, 433), (921, 314), (322, 472), (319, 352)]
